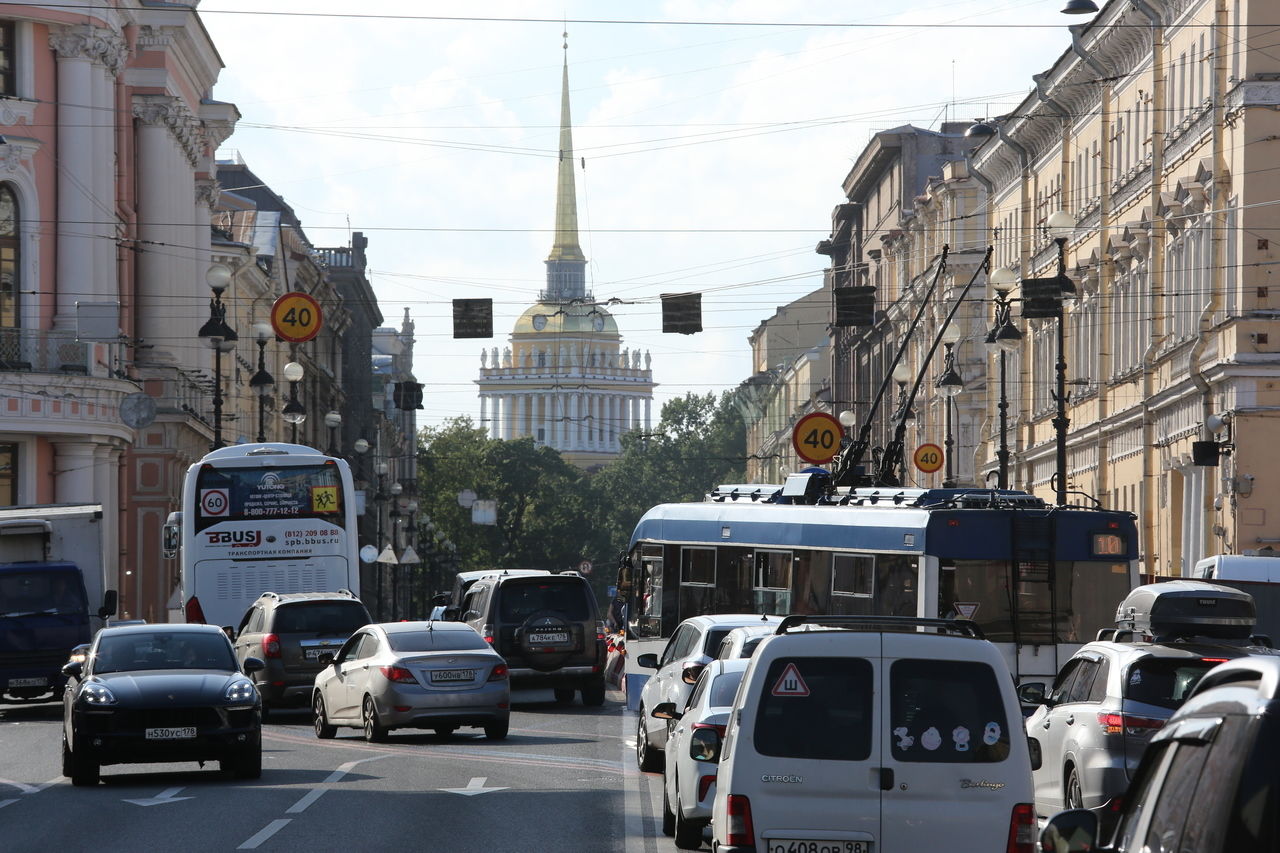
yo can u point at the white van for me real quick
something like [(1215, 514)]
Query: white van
[(874, 735), (1237, 567)]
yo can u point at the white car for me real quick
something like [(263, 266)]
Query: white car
[(694, 643), (742, 642), (689, 779)]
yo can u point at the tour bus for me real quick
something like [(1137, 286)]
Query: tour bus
[(261, 518), (1037, 580)]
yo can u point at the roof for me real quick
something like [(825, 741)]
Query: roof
[(161, 627), (735, 620), (566, 318)]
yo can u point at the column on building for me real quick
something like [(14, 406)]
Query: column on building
[(521, 403), (614, 416), (574, 423), (484, 423), (113, 51), (549, 437), (73, 467), (76, 213), (648, 402), (106, 477)]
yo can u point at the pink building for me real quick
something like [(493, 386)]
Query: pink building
[(106, 191)]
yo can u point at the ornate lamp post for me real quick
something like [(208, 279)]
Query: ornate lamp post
[(333, 420), (1004, 337), (1061, 226), (293, 412), (262, 382), (221, 337), (394, 520), (902, 375), (949, 384), (379, 499)]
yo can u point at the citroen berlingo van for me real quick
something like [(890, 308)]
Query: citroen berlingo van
[(874, 735)]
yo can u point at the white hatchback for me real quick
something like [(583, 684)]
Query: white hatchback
[(874, 735)]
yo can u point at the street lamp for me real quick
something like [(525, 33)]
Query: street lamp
[(380, 498), (394, 519), (221, 337), (293, 412), (333, 420), (1004, 338), (262, 382), (1061, 225), (949, 384), (902, 375)]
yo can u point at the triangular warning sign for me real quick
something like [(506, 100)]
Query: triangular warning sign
[(790, 683), (966, 609)]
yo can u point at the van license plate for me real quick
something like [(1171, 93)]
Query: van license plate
[(453, 675), (549, 637), (172, 733), (792, 845), (28, 682)]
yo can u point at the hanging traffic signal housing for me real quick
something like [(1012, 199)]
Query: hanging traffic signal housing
[(682, 313), (407, 395), (855, 306)]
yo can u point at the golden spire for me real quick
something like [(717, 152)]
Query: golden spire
[(566, 247)]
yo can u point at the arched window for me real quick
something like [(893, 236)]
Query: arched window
[(8, 257)]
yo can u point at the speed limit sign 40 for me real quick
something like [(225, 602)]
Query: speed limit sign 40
[(296, 317), (928, 458), (816, 437)]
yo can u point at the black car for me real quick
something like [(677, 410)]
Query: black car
[(159, 693)]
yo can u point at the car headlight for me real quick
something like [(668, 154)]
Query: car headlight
[(97, 694), (241, 690)]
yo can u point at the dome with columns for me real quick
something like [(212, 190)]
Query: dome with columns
[(552, 319)]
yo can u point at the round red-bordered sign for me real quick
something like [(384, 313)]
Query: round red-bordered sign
[(928, 458), (296, 317), (816, 437)]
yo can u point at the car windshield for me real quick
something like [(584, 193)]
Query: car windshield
[(23, 593), (522, 599), (163, 650), (1165, 682), (724, 688), (320, 617), (435, 641)]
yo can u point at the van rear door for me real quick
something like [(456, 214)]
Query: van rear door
[(812, 768), (956, 770)]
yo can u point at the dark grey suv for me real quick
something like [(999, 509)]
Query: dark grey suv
[(548, 628), (290, 631)]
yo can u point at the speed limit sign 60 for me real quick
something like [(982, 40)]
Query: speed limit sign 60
[(816, 437), (296, 317)]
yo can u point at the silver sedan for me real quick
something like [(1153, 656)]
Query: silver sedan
[(424, 675)]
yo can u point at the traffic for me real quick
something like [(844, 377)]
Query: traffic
[(783, 670)]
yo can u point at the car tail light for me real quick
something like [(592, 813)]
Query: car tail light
[(704, 785), (719, 729), (1214, 660), (271, 646), (487, 633), (599, 630), (195, 613), (738, 829), (1022, 829), (1114, 724), (398, 674), (499, 672)]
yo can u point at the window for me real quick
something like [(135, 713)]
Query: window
[(8, 475), (773, 570), (9, 283), (8, 60), (832, 721), (698, 565), (1082, 686), (947, 712), (1164, 682), (853, 574)]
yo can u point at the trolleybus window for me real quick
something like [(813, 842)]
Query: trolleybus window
[(853, 574)]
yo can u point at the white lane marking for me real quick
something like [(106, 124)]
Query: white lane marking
[(29, 789), (315, 793), (265, 833), (165, 796), (475, 786), (4, 803)]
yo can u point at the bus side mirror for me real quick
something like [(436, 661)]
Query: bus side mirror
[(110, 599), (169, 541)]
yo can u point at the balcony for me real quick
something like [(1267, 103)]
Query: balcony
[(47, 351)]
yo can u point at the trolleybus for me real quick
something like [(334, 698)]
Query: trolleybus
[(1039, 580), (258, 518)]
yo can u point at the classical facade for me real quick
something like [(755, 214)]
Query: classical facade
[(564, 377), (1153, 135)]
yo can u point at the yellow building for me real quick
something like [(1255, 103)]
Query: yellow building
[(564, 377)]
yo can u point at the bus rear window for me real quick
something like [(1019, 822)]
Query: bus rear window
[(819, 708), (255, 494)]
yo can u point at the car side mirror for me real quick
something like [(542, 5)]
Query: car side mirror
[(1032, 693), (689, 675), (1072, 831), (648, 660), (665, 711), (73, 669), (1034, 751), (251, 665), (326, 658), (110, 599), (704, 745)]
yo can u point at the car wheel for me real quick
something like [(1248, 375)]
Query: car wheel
[(374, 731), (668, 817), (688, 833), (83, 773), (324, 730), (1075, 797), (593, 694), (444, 731), (497, 730), (564, 695), (648, 759)]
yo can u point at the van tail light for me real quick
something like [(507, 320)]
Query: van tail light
[(1022, 829), (600, 632), (486, 631), (271, 646), (738, 829), (1114, 724), (499, 672), (398, 674), (195, 613)]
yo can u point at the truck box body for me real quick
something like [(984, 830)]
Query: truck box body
[(55, 592)]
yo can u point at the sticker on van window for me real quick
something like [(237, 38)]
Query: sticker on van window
[(991, 734), (905, 741), (960, 736), (790, 683), (931, 739)]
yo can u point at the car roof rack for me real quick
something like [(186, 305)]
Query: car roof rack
[(960, 627)]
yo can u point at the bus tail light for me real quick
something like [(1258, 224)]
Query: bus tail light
[(1022, 829), (195, 613), (271, 646), (738, 829)]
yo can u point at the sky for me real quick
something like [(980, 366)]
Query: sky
[(713, 139)]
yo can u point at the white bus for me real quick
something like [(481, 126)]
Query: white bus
[(262, 517)]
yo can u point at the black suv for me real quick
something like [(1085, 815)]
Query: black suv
[(290, 631), (1208, 781), (547, 627)]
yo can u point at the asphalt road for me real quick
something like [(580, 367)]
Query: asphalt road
[(564, 779)]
